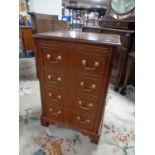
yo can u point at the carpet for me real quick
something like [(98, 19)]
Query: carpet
[(117, 138)]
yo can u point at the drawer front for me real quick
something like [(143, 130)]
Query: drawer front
[(57, 97), (85, 104), (84, 121), (54, 112), (54, 78), (78, 120), (87, 63), (123, 25), (54, 57), (88, 86)]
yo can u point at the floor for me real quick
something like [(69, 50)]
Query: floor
[(117, 138)]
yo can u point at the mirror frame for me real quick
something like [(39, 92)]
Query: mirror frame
[(121, 14)]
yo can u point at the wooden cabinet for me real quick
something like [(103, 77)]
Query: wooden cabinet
[(74, 71), (25, 34)]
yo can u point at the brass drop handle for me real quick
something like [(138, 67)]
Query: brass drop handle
[(59, 112), (57, 60), (87, 121), (89, 88), (84, 63), (84, 107), (58, 97), (55, 114), (78, 118), (58, 79), (50, 109)]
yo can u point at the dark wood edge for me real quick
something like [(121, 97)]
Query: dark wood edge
[(101, 111), (39, 36), (119, 30), (109, 29), (119, 20)]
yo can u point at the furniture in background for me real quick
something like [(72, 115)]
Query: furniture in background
[(38, 20), (25, 34), (120, 19), (130, 68), (74, 72), (121, 53), (81, 16), (47, 23)]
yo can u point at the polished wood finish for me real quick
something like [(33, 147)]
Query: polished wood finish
[(74, 71), (83, 37)]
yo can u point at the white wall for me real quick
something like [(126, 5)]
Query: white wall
[(52, 7)]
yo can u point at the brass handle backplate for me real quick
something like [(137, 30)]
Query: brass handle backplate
[(58, 79), (84, 63), (87, 121), (87, 88), (55, 113), (57, 98), (82, 106), (57, 60)]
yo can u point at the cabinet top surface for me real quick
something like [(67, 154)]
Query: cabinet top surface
[(77, 36)]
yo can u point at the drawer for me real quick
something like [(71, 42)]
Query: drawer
[(78, 120), (57, 97), (116, 24), (90, 86), (55, 78), (83, 121), (88, 63), (85, 104), (54, 57), (54, 112)]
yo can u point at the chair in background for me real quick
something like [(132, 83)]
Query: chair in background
[(47, 23), (41, 22)]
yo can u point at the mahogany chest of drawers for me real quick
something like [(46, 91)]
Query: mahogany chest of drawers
[(74, 70)]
